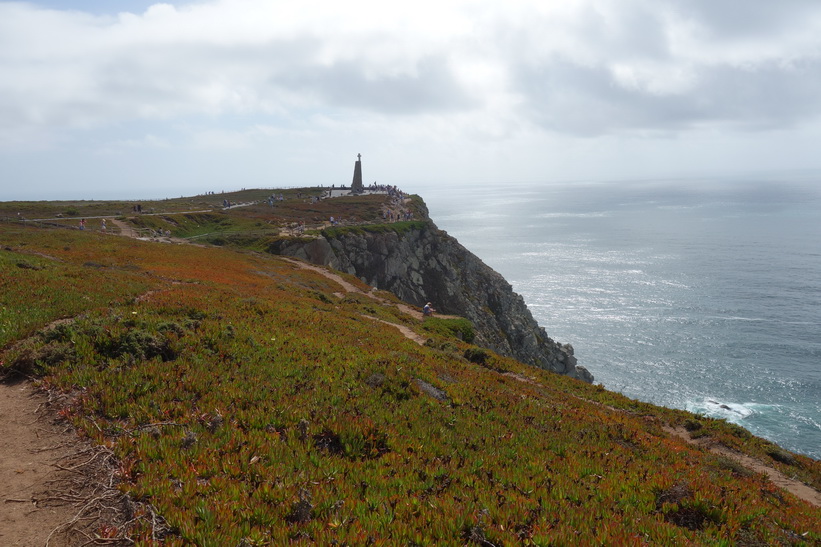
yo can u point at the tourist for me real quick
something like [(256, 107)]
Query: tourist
[(428, 310), (102, 226), (82, 223)]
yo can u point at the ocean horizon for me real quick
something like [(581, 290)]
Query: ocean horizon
[(699, 294)]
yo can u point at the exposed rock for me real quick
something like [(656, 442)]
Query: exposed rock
[(431, 390), (425, 264)]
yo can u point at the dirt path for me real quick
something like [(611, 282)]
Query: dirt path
[(128, 231), (406, 332), (125, 229), (38, 491), (350, 288), (797, 488)]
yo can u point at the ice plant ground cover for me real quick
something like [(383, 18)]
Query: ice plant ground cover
[(251, 402)]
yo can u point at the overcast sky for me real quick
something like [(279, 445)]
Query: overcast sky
[(137, 99)]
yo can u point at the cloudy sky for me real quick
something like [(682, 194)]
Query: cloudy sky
[(137, 99)]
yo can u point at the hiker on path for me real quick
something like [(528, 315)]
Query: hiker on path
[(428, 310)]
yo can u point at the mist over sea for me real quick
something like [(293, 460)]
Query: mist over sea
[(696, 294)]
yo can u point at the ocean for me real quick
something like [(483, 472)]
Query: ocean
[(702, 295)]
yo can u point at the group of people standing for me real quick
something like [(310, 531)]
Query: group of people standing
[(102, 224), (274, 198), (395, 216)]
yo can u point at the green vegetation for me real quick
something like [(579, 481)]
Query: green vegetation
[(396, 227), (252, 405), (458, 327)]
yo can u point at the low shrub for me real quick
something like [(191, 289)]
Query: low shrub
[(478, 356), (459, 328), (782, 456)]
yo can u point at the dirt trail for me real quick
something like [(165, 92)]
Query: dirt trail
[(350, 288), (406, 332), (128, 231), (36, 506), (797, 488), (125, 229), (794, 487)]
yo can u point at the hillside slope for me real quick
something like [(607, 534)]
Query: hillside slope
[(249, 399), (254, 401), (420, 263)]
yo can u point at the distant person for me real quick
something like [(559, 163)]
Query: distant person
[(82, 223), (427, 311), (102, 226)]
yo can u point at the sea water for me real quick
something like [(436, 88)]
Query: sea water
[(702, 295)]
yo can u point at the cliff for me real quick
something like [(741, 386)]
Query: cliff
[(420, 263)]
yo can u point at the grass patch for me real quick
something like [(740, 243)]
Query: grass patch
[(459, 328)]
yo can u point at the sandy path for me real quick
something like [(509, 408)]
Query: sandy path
[(350, 288), (33, 448), (125, 229), (797, 488), (406, 332)]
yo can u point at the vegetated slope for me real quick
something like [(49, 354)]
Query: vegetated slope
[(254, 402), (420, 263), (412, 258)]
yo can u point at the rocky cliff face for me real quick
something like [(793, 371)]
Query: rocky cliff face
[(425, 264)]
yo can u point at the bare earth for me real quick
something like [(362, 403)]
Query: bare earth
[(797, 488), (404, 308), (794, 487), (56, 489), (34, 447)]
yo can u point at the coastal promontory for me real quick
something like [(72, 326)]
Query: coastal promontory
[(253, 368)]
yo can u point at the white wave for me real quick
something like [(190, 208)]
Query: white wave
[(732, 412)]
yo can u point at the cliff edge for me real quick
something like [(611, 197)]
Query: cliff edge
[(420, 263)]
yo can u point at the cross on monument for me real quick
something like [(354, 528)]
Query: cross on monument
[(359, 157)]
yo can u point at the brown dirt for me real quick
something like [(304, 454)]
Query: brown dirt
[(125, 229), (349, 288), (794, 487), (406, 332), (56, 489), (35, 483)]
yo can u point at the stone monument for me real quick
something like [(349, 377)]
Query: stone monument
[(356, 185)]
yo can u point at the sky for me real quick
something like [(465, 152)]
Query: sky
[(120, 99)]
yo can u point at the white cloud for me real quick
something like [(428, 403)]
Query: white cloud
[(71, 69), (455, 74)]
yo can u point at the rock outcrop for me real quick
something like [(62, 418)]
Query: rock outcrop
[(421, 263)]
